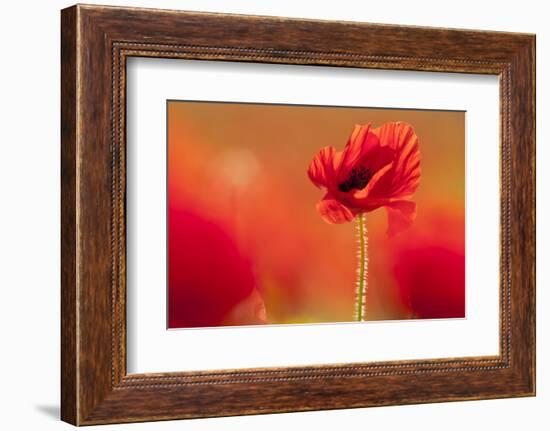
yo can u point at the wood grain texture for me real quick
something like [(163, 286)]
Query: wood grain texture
[(96, 41), (69, 366)]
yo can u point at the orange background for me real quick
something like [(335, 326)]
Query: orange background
[(242, 168)]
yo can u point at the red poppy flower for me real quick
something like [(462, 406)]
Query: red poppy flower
[(431, 281), (429, 266), (211, 283), (378, 167)]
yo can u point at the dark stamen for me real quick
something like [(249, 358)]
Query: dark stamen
[(358, 179)]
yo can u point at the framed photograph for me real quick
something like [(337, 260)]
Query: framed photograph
[(264, 215)]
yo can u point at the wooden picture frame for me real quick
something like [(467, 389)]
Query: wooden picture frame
[(95, 43)]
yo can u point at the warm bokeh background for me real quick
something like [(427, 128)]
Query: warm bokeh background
[(247, 246)]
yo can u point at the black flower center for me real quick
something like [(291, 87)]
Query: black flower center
[(358, 178)]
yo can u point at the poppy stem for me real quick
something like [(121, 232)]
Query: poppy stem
[(362, 271)]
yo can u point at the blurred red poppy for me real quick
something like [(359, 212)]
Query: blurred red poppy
[(211, 283), (429, 267), (378, 167)]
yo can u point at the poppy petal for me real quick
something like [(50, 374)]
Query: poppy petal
[(400, 215), (363, 194), (333, 211), (405, 175), (321, 168), (360, 144), (378, 158)]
